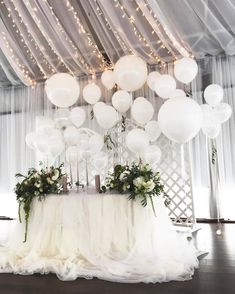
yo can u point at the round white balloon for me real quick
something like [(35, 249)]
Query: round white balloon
[(91, 93), (55, 147), (130, 72), (44, 122), (41, 143), (180, 119), (153, 130), (222, 112), (152, 154), (185, 70), (122, 101), (100, 161), (71, 135), (107, 117), (213, 94), (52, 134), (77, 116), (211, 130), (107, 79), (137, 141), (98, 106), (207, 110), (142, 111), (151, 79), (61, 117), (165, 85), (62, 89), (177, 93)]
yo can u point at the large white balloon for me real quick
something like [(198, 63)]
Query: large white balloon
[(77, 116), (180, 119), (153, 130), (222, 112), (44, 122), (107, 79), (52, 133), (207, 110), (91, 93), (165, 85), (96, 143), (107, 117), (41, 143), (185, 70), (152, 154), (71, 135), (213, 94), (142, 111), (62, 89), (55, 147), (151, 80), (137, 141), (30, 140), (130, 72), (122, 101), (177, 93)]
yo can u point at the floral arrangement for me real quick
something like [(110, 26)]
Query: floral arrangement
[(138, 180), (37, 183)]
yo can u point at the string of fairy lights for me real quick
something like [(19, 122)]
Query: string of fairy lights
[(44, 59)]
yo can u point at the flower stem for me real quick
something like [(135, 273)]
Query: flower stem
[(151, 199), (19, 214)]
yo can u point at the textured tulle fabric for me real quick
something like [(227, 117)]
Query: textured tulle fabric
[(104, 236)]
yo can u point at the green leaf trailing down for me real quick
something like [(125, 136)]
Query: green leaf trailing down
[(110, 144), (123, 124), (92, 114), (137, 180), (37, 183)]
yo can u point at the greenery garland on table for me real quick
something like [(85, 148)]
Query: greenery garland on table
[(37, 183), (138, 180)]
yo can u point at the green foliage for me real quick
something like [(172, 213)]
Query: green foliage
[(37, 183), (138, 180)]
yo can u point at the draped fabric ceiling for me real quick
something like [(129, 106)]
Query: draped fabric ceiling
[(83, 37)]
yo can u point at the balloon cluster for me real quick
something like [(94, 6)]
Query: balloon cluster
[(214, 112)]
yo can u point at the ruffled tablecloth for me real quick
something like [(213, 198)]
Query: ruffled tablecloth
[(105, 236)]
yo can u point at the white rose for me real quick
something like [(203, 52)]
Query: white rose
[(138, 181), (56, 175), (149, 185), (122, 177)]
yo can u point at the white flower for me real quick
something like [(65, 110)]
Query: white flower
[(138, 181), (149, 185), (56, 174), (37, 184), (123, 176), (49, 181)]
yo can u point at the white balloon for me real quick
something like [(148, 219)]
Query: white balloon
[(207, 110), (100, 161), (213, 94), (77, 116), (83, 142), (180, 119), (122, 101), (151, 80), (165, 85), (130, 72), (72, 155), (222, 112), (139, 99), (55, 147), (107, 117), (185, 70), (96, 143), (142, 111), (152, 154), (41, 143), (153, 130), (62, 89), (91, 93), (71, 135), (107, 79), (137, 141), (177, 93), (51, 133), (30, 140), (98, 106), (61, 117), (211, 130)]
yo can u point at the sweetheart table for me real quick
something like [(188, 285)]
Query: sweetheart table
[(99, 235)]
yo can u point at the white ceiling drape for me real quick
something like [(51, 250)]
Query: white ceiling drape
[(41, 37)]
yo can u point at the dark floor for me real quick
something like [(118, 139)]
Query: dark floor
[(216, 274)]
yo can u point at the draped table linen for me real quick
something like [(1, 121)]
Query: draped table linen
[(105, 236)]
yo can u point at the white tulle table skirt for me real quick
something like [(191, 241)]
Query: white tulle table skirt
[(104, 236)]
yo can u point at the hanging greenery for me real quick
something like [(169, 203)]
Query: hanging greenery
[(37, 183)]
